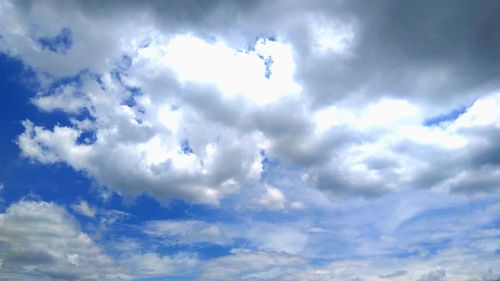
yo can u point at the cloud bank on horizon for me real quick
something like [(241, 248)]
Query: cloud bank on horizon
[(322, 140)]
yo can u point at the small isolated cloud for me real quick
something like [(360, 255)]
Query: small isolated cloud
[(298, 205), (83, 208), (272, 198)]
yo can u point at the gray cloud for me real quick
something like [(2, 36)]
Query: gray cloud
[(437, 275), (431, 57), (427, 51), (41, 240)]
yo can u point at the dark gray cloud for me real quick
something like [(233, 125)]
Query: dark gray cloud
[(423, 50)]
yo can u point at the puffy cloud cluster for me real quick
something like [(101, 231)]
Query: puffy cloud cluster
[(183, 108)]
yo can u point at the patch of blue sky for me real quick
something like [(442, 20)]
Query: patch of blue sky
[(495, 223), (125, 62), (123, 65), (268, 62), (60, 43), (269, 164), (432, 230), (87, 137), (145, 208), (446, 214), (251, 45), (447, 117), (185, 147), (134, 92), (431, 247), (56, 183), (75, 80)]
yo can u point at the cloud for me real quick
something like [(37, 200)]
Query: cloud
[(272, 198), (283, 237), (247, 265), (187, 232), (147, 265), (456, 262), (365, 125), (41, 240), (83, 208), (436, 275), (190, 104), (298, 205)]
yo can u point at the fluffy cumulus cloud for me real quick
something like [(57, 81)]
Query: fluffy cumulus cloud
[(188, 108), (291, 111)]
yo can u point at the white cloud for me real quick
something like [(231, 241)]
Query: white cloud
[(273, 198), (330, 37), (298, 205), (453, 264), (247, 265), (482, 113), (41, 240), (202, 96), (185, 232), (234, 73), (64, 98), (147, 265), (180, 107), (83, 208)]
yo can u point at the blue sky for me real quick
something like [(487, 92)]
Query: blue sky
[(249, 140)]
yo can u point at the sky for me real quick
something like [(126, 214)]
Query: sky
[(250, 140)]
